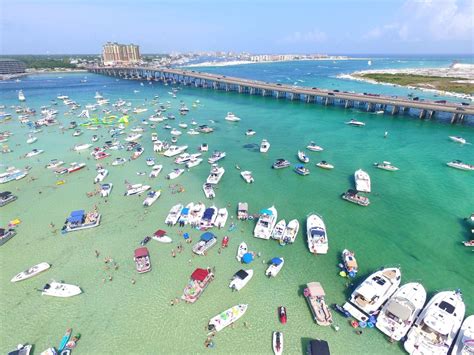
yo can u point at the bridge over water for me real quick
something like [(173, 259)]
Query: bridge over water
[(369, 102)]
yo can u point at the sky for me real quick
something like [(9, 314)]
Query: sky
[(255, 26)]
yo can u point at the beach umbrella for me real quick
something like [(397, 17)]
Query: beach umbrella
[(247, 258), (266, 212), (276, 261)]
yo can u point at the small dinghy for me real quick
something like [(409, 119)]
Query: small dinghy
[(32, 271)]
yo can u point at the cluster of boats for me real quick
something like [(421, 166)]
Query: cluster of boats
[(197, 215)]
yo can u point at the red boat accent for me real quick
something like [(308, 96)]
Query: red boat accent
[(282, 314)]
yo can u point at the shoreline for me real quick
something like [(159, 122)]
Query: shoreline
[(40, 71)]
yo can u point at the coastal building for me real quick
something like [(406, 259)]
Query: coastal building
[(11, 67), (123, 54)]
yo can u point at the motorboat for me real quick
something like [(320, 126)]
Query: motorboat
[(30, 272), (355, 123), (79, 147), (79, 220), (137, 129), (401, 310), (77, 133), (175, 150), (240, 279), (231, 117), (95, 138), (372, 293), (208, 191), (58, 289), (150, 161), (175, 132), (290, 233), (350, 263), (136, 189), (6, 197), (21, 96), (436, 327), (215, 174), (386, 165), (324, 165), (314, 147), (185, 158), (279, 230), (119, 161), (22, 349), (99, 154), (138, 151), (155, 170), (458, 139), (469, 243), (101, 175), (193, 162), (353, 196), (221, 218), (175, 174), (241, 251), (54, 163), (198, 282), (264, 146), (139, 110), (206, 242), (302, 157), (266, 223), (31, 139), (183, 125), (196, 214), (316, 235), (160, 236), (277, 343), (250, 132), (6, 235), (227, 317), (465, 341), (133, 137), (281, 163), (151, 197), (205, 129), (208, 218), (275, 267), (142, 260), (315, 296), (192, 132), (216, 156), (247, 176), (282, 315), (302, 170), (173, 215), (242, 211), (11, 174), (458, 164), (362, 181), (203, 147), (34, 152), (106, 189)]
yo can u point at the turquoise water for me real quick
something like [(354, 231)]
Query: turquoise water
[(414, 221)]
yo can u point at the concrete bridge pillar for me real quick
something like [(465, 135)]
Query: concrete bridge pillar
[(326, 101), (252, 91), (239, 88), (395, 110), (454, 118), (370, 107), (422, 114), (309, 98), (349, 104), (431, 114)]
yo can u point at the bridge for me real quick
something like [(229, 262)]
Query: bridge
[(369, 102)]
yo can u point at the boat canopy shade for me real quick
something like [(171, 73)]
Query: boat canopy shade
[(318, 347), (241, 274), (75, 219), (317, 232), (247, 258), (276, 261), (159, 233), (199, 274), (315, 289), (141, 252), (185, 211), (208, 213), (5, 194), (207, 236), (266, 212), (78, 213), (402, 312)]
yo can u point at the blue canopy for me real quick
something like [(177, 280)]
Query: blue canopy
[(276, 261), (75, 219), (208, 213), (78, 213), (266, 212), (185, 211), (207, 236), (247, 258), (186, 235)]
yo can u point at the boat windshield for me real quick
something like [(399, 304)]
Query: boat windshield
[(447, 307)]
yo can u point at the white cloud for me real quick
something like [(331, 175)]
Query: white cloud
[(314, 36)]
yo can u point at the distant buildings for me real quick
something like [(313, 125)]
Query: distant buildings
[(288, 57), (120, 54), (11, 66)]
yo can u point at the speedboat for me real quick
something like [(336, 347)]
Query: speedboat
[(465, 341), (160, 236), (457, 164), (33, 153), (316, 235), (206, 242), (313, 147), (77, 133), (183, 125), (362, 181), (32, 271), (350, 263), (215, 175), (301, 170), (279, 230), (54, 163), (31, 139), (106, 189), (193, 162), (277, 343), (221, 217), (435, 329), (79, 220), (73, 167), (226, 318), (155, 171), (198, 282), (324, 165), (242, 211), (175, 150), (231, 117), (264, 146), (6, 197), (185, 213), (372, 293), (208, 191), (119, 161), (386, 165), (151, 197), (266, 223), (79, 147), (23, 349), (290, 233), (303, 157), (247, 176), (458, 139), (208, 218), (101, 175), (241, 251), (21, 96), (355, 123), (196, 214), (150, 161), (58, 289), (192, 132), (240, 279), (216, 156), (353, 196), (281, 163), (250, 132), (136, 189), (314, 294), (142, 260), (174, 214), (6, 235), (401, 310), (469, 243), (175, 132), (203, 147), (275, 266), (175, 174), (138, 151)]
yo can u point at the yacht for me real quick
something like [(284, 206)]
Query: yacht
[(276, 264), (386, 165), (457, 164), (247, 176), (174, 214), (106, 189), (11, 174), (6, 197), (266, 223), (316, 234), (291, 231), (465, 341), (353, 196), (136, 189), (362, 181), (227, 317), (21, 96), (215, 175), (151, 197), (175, 174), (325, 165), (315, 296), (264, 146), (435, 329), (458, 139), (355, 123), (240, 279), (303, 157), (401, 310), (216, 156), (231, 117), (206, 242), (372, 293), (313, 147), (175, 150), (209, 190), (281, 163), (58, 289)]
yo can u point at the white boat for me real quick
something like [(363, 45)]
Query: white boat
[(192, 132), (250, 132), (372, 293), (458, 139), (54, 163), (185, 214), (276, 264), (221, 218), (21, 96), (160, 236), (266, 223), (101, 175), (31, 139), (362, 181), (465, 341), (208, 218), (386, 165), (193, 162), (32, 271), (264, 146), (277, 343), (279, 230), (401, 310), (240, 279), (203, 147), (155, 171), (185, 157), (136, 189), (106, 189), (196, 214), (206, 242), (209, 191), (175, 132), (175, 150), (174, 214), (313, 147), (133, 137), (139, 110), (316, 234), (77, 133), (247, 176), (302, 157), (58, 289), (33, 153), (241, 251), (216, 156), (457, 164), (291, 231), (175, 174), (74, 166), (227, 317), (11, 174), (355, 123), (119, 161), (231, 117), (150, 161), (79, 147), (151, 197), (435, 329), (215, 174)]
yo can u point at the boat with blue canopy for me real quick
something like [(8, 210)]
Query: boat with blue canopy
[(79, 220), (206, 242)]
